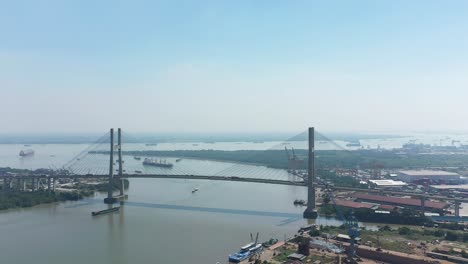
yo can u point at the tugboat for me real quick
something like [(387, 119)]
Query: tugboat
[(300, 202), (246, 251), (156, 163)]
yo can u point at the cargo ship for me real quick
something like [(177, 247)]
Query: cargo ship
[(354, 144), (157, 163), (114, 209), (26, 152), (246, 251)]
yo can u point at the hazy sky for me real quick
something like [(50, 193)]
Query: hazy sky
[(233, 65)]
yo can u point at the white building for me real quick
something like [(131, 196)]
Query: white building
[(387, 183), (416, 175)]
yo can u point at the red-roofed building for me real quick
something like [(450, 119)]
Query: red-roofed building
[(407, 202), (351, 204), (387, 207)]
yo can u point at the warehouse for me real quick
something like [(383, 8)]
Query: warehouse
[(428, 175), (387, 183), (355, 205)]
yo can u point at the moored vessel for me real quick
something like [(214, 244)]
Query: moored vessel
[(26, 152), (157, 163), (110, 210), (246, 251)]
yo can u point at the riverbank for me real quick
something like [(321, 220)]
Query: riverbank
[(71, 192)]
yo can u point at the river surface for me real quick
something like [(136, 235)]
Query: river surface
[(161, 222)]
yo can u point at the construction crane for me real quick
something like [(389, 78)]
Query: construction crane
[(294, 162), (350, 223)]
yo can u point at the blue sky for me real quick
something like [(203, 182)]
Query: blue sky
[(70, 66)]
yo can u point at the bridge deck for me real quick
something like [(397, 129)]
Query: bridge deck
[(169, 176), (241, 179)]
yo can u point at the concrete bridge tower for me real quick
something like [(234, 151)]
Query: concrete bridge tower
[(311, 212)]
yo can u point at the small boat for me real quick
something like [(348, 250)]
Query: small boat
[(300, 202), (177, 160), (194, 144), (114, 209), (195, 190), (152, 144), (137, 158), (27, 145), (138, 171)]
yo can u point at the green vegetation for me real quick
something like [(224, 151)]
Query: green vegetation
[(365, 159), (345, 181), (28, 199), (16, 199), (397, 238), (403, 216), (283, 254)]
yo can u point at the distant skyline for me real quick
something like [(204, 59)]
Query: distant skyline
[(233, 66)]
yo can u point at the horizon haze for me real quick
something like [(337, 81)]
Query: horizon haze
[(237, 66)]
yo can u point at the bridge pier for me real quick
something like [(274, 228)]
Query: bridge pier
[(33, 184), (423, 204), (18, 184), (311, 211), (49, 183), (457, 208)]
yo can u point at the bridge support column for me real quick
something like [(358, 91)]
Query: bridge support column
[(53, 184), (311, 212), (110, 199), (6, 184), (33, 184), (423, 204), (49, 183), (457, 208), (18, 184), (119, 141)]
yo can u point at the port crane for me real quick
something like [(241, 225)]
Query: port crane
[(350, 223), (294, 162)]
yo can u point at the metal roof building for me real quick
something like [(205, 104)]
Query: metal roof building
[(354, 205), (415, 175), (387, 183)]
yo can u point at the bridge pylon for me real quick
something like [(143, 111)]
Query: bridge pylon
[(110, 199), (311, 211)]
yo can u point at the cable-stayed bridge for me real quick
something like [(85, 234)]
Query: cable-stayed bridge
[(108, 159)]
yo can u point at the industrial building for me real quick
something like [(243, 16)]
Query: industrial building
[(387, 183), (355, 205), (428, 175)]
